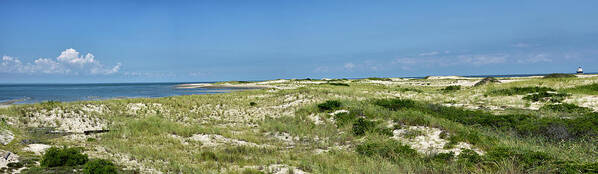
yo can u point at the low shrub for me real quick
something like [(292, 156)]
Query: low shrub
[(361, 126), (336, 84), (388, 149), (252, 104), (443, 157), (469, 156), (65, 156), (487, 80), (329, 105), (343, 118), (451, 88), (566, 107), (410, 89), (395, 104), (559, 75), (100, 166), (520, 91), (591, 89), (546, 97), (523, 158), (378, 78)]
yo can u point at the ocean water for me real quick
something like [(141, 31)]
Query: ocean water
[(34, 93)]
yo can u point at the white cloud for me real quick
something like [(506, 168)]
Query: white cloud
[(536, 59), (349, 65), (68, 62), (483, 59), (433, 53)]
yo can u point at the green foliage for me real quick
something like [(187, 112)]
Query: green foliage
[(336, 84), (519, 91), (49, 104), (65, 156), (591, 89), (378, 78), (565, 107), (451, 88), (443, 157), (252, 104), (100, 166), (559, 75), (395, 104), (344, 118), (575, 167), (487, 80), (468, 156), (410, 89), (524, 158), (329, 105), (388, 149), (361, 126), (546, 97), (412, 133)]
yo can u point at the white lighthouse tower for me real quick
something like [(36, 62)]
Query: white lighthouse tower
[(579, 70)]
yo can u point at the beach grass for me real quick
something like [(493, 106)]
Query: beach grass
[(373, 125)]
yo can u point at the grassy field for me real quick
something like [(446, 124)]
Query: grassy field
[(374, 125)]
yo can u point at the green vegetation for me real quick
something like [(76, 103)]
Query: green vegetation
[(378, 78), (565, 107), (330, 105), (451, 88), (100, 166), (486, 81), (336, 84), (546, 97), (369, 127), (559, 75), (56, 157), (591, 89), (520, 91)]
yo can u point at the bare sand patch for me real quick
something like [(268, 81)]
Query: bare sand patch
[(429, 141)]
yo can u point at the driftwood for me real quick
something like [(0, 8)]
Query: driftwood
[(94, 131)]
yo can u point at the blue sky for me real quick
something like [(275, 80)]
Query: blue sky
[(157, 41)]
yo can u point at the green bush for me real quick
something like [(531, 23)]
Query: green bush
[(520, 91), (574, 167), (451, 88), (524, 158), (487, 80), (378, 78), (329, 105), (591, 89), (344, 118), (443, 157), (546, 97), (100, 166), (469, 157), (565, 107), (388, 149), (336, 84), (395, 104), (65, 156), (559, 75), (410, 89), (361, 126)]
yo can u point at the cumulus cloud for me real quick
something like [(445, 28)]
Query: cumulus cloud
[(68, 62)]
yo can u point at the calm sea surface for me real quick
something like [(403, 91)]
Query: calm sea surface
[(34, 93)]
